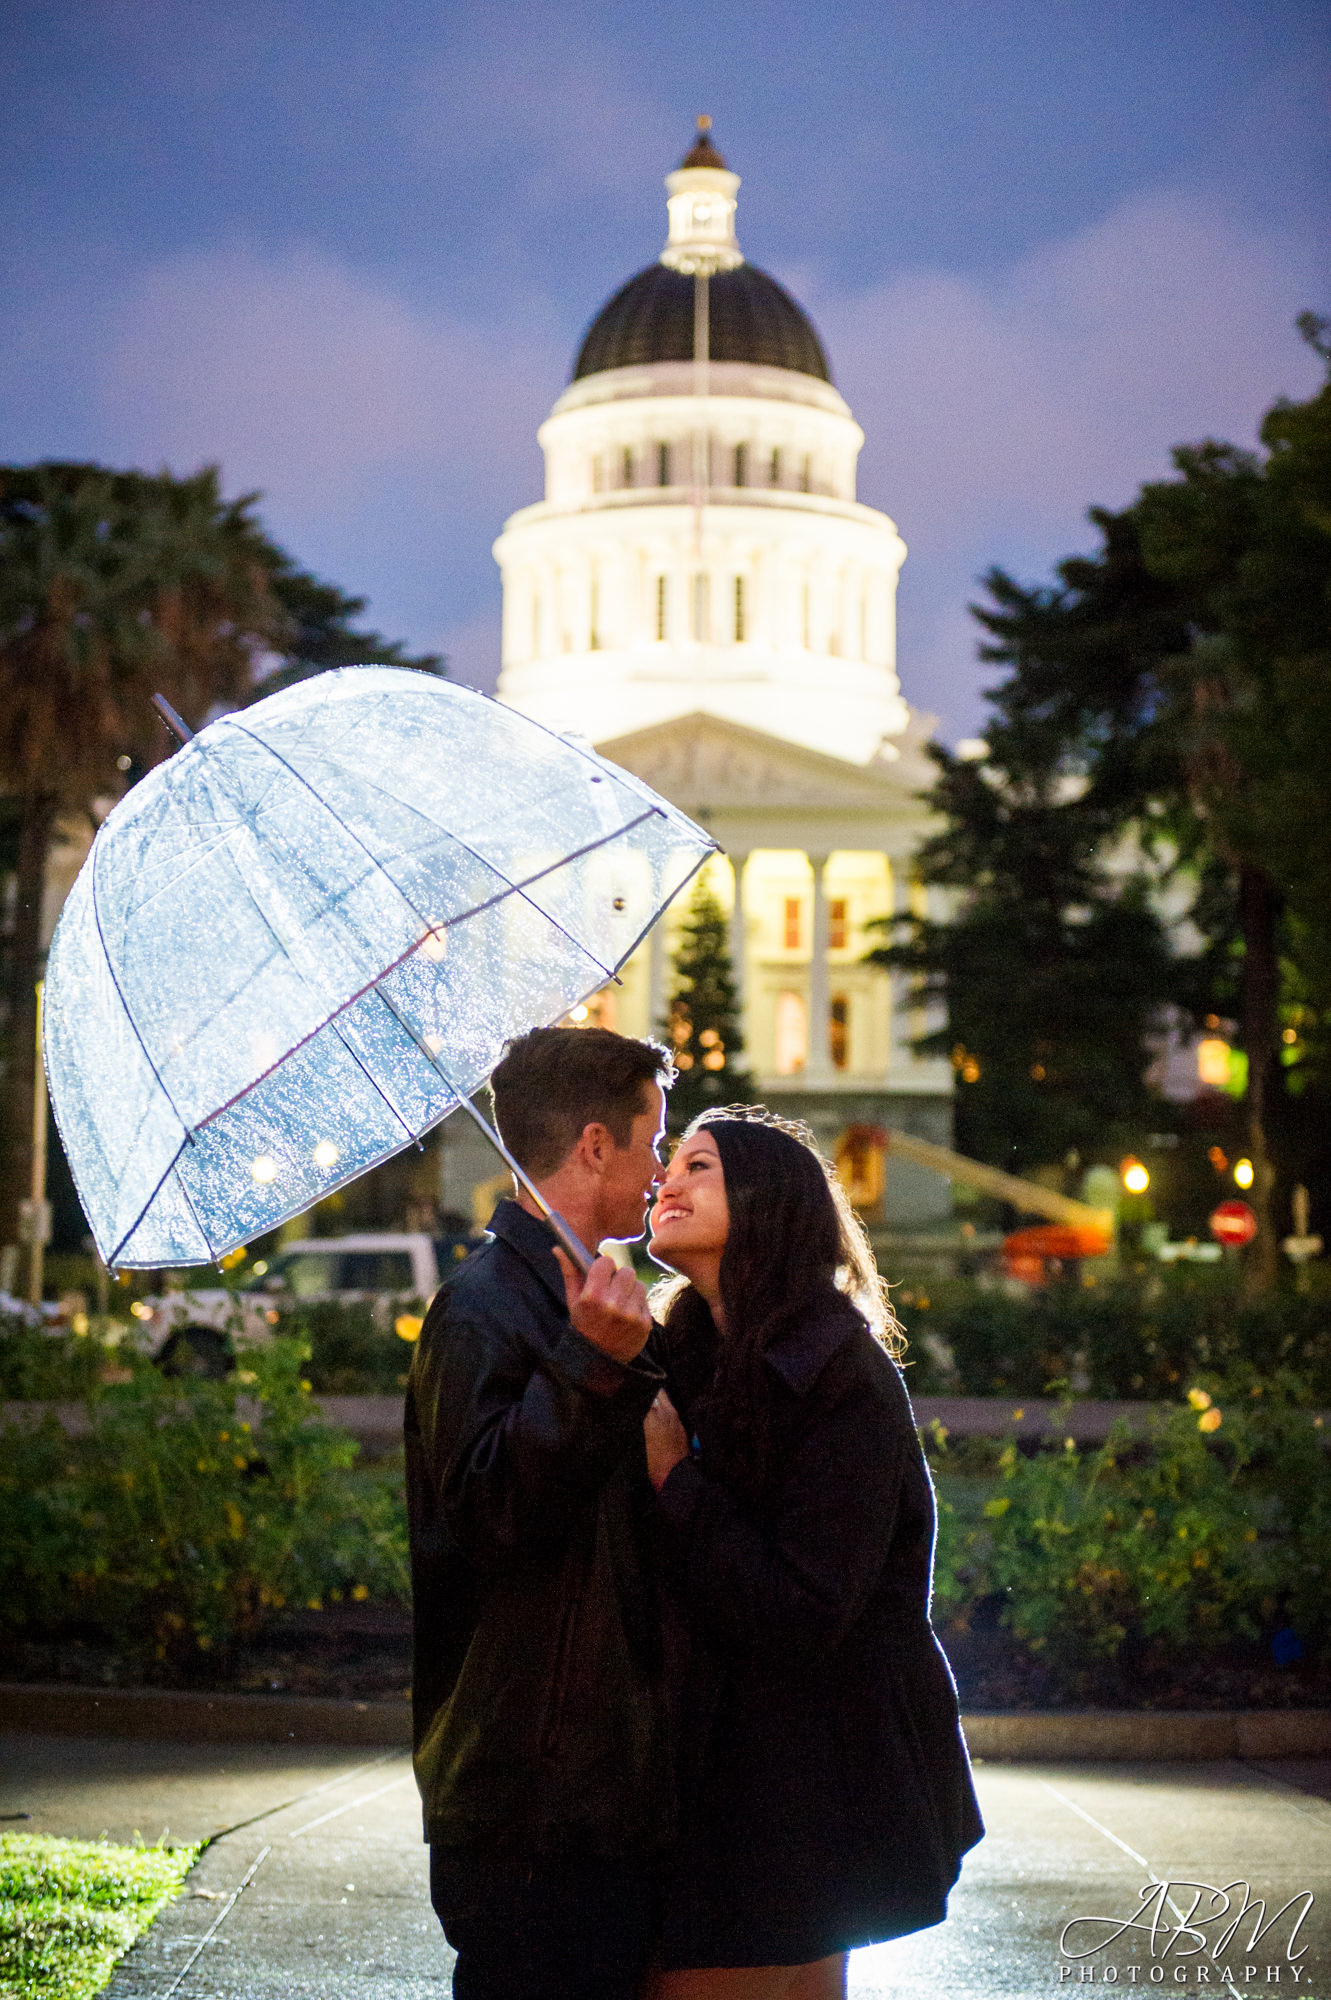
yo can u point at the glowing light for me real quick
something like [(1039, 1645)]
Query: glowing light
[(264, 1169), (433, 1043), (579, 1014), (1244, 1173), (325, 1154), (1210, 1420), (1199, 1399), (140, 1310), (407, 1326), (1135, 1177), (260, 1268), (1213, 1062)]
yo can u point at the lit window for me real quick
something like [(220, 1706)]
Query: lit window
[(663, 465), (838, 1031), (741, 465), (837, 924), (792, 1035), (661, 607), (702, 608), (739, 610), (792, 923)]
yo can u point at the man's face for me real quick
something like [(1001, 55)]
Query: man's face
[(632, 1171)]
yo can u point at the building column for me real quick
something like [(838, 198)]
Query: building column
[(818, 1064), (657, 996)]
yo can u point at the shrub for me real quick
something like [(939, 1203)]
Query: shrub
[(42, 1366), (191, 1507), (349, 1354), (1138, 1336), (1216, 1531)]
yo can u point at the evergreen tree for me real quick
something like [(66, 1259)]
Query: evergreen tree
[(1163, 724), (703, 1022)]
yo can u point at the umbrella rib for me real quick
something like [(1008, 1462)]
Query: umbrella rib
[(120, 995), (516, 887)]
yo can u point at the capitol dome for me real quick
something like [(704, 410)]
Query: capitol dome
[(752, 318), (700, 547)]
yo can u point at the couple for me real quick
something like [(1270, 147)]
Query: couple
[(682, 1727)]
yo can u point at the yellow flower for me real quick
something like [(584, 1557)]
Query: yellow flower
[(306, 1386), (235, 1521), (1199, 1399), (994, 1509), (407, 1326), (360, 1592), (314, 1604), (240, 1461), (1210, 1420), (245, 1376)]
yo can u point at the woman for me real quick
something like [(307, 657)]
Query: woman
[(825, 1791)]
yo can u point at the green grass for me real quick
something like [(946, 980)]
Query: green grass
[(70, 1909)]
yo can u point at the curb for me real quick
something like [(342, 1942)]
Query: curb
[(1142, 1736), (1095, 1735), (180, 1716)]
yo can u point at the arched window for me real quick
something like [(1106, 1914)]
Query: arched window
[(774, 469), (739, 611), (792, 1033), (626, 465), (663, 465), (741, 465), (662, 607)]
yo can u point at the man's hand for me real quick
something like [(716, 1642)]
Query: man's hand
[(608, 1307), (666, 1442)]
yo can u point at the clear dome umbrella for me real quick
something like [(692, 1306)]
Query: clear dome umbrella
[(303, 940)]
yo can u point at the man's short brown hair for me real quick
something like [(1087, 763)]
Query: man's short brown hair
[(554, 1081)]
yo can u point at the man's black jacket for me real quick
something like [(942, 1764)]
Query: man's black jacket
[(537, 1700)]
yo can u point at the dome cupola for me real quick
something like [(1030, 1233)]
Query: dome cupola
[(751, 317)]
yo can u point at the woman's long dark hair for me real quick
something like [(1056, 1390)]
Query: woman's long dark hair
[(796, 1250)]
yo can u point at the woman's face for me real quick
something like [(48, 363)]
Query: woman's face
[(690, 1220)]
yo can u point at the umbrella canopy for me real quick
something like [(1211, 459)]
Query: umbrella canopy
[(296, 944)]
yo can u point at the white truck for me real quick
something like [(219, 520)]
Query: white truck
[(195, 1331)]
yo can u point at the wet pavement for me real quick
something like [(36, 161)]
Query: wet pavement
[(316, 1885)]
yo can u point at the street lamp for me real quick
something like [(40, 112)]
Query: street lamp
[(1134, 1175)]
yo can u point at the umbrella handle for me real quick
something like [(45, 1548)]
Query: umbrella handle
[(570, 1242)]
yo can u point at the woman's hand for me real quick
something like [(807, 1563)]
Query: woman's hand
[(666, 1442)]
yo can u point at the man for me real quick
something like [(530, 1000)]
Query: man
[(539, 1715)]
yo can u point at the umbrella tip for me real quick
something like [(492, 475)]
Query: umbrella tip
[(173, 722)]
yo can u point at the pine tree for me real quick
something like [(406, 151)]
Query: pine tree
[(703, 1022)]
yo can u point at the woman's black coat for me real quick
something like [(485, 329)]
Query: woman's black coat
[(825, 1791)]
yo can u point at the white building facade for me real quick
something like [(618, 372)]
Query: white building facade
[(702, 595)]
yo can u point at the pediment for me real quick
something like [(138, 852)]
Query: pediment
[(704, 764)]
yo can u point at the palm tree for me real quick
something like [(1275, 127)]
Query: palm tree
[(113, 586)]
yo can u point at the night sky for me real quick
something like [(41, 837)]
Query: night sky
[(347, 251)]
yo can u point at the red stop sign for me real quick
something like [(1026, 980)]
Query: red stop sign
[(1233, 1222)]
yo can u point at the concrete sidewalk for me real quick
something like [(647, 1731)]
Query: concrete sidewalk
[(325, 1893)]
